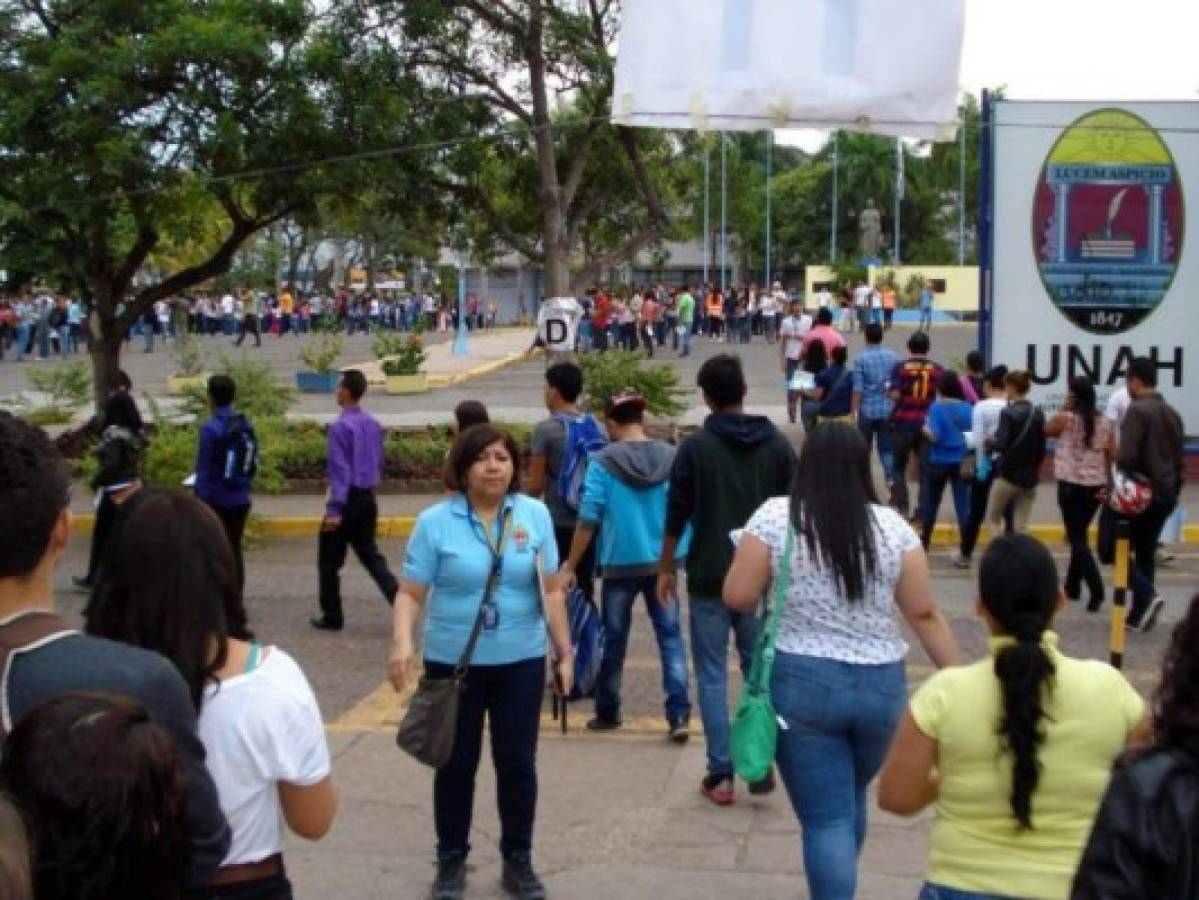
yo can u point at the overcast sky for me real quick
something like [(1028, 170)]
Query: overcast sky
[(1074, 50)]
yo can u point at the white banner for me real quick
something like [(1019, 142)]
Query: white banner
[(1095, 258), (558, 323), (885, 66)]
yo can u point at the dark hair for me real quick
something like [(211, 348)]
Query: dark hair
[(120, 409), (949, 385), (170, 584), (16, 870), (567, 379), (974, 361), (470, 412), (831, 497), (103, 792), (1144, 370), (221, 390), (996, 376), (1018, 379), (1018, 586), (1085, 405), (722, 380), (919, 343), (34, 490), (825, 316), (124, 382), (469, 446), (1176, 704), (840, 355), (873, 333), (628, 413), (354, 382), (816, 357)]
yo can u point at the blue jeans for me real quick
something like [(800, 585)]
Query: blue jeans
[(686, 348), (619, 595), (926, 320), (711, 621), (936, 475), (932, 891), (878, 430), (840, 719), (22, 340)]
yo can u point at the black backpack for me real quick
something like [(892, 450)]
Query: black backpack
[(237, 451)]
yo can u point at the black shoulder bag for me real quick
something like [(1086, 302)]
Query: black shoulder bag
[(430, 725)]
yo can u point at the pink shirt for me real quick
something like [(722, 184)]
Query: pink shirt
[(1074, 461), (827, 335)]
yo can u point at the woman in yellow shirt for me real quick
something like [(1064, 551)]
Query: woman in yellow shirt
[(1016, 750)]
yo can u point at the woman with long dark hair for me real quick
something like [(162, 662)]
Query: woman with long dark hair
[(1014, 751), (171, 585), (838, 682), (1086, 448), (103, 794), (1144, 843)]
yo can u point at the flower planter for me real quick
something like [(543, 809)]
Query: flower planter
[(407, 384), (178, 385), (317, 382)]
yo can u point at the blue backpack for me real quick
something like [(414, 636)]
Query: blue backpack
[(583, 439), (238, 452), (587, 637)]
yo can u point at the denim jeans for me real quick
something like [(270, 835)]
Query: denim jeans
[(619, 595), (840, 719), (509, 697), (711, 621), (939, 892), (936, 476), (1146, 529), (686, 349), (1079, 503), (878, 430), (22, 341)]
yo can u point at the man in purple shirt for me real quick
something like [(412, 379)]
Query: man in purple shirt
[(354, 468)]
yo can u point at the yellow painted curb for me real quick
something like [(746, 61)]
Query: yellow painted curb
[(441, 381)]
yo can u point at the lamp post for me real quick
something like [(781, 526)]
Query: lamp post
[(460, 334)]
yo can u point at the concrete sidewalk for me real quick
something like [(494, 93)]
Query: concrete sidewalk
[(618, 818)]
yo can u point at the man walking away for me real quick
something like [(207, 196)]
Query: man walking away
[(1151, 445), (686, 313), (926, 308), (558, 460), (913, 389), (871, 402), (354, 469), (226, 461), (249, 319), (791, 334), (721, 475), (624, 497)]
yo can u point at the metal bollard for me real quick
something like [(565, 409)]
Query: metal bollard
[(1120, 592)]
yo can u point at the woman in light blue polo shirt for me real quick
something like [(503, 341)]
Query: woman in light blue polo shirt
[(486, 527)]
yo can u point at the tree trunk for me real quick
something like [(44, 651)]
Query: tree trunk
[(557, 271), (106, 364)]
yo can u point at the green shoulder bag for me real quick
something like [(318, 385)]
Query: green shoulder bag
[(755, 732)]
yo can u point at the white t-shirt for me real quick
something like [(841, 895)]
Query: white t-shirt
[(261, 728), (876, 300), (818, 620), (861, 296), (791, 333), (227, 305), (770, 306), (1117, 406), (984, 423), (824, 298)]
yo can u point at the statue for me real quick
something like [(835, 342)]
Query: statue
[(870, 231)]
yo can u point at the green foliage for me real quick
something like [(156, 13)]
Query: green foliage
[(189, 355), (399, 354), (260, 395), (69, 387), (321, 351), (605, 374), (911, 291), (420, 449), (47, 415)]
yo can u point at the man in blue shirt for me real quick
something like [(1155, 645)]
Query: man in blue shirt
[(926, 309), (226, 491), (355, 465), (871, 401)]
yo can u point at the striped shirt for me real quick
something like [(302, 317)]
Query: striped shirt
[(916, 381)]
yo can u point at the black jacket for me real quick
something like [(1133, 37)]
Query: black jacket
[(1020, 444), (1145, 843), (721, 475)]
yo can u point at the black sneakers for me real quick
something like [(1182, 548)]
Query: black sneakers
[(603, 723), (324, 623), (521, 881), (450, 883), (680, 729), (765, 786)]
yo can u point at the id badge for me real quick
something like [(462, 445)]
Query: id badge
[(491, 617)]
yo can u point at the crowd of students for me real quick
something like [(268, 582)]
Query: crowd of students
[(168, 697)]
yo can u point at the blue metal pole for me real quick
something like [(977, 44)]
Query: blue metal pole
[(460, 334)]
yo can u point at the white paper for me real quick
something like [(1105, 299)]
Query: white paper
[(884, 66), (189, 481)]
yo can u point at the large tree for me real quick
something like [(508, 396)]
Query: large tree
[(120, 120)]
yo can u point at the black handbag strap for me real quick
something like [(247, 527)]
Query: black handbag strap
[(492, 580)]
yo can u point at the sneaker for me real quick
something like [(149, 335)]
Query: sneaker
[(603, 723), (960, 562), (1152, 611), (718, 789), (450, 883), (324, 623), (765, 786), (680, 730), (521, 881)]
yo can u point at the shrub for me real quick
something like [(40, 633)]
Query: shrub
[(42, 416), (321, 351), (189, 356), (399, 354), (911, 291), (69, 386), (605, 374), (260, 395), (418, 452)]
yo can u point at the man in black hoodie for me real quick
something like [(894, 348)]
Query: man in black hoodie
[(721, 475)]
